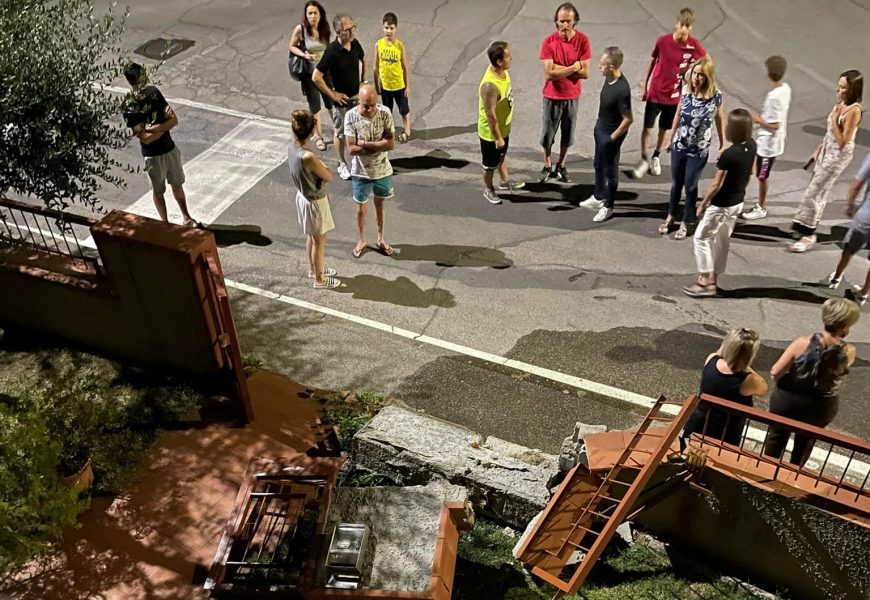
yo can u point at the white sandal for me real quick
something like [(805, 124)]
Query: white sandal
[(328, 283)]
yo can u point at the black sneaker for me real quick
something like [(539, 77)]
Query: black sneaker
[(562, 174), (545, 174)]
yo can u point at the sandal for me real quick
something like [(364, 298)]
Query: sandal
[(328, 283), (682, 232), (357, 252), (802, 245), (664, 228), (319, 143), (402, 137), (696, 290), (327, 272), (386, 249)]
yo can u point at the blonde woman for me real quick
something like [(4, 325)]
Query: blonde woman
[(728, 374), (310, 176), (830, 159), (808, 376), (699, 110)]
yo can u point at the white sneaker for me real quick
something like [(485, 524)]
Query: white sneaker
[(491, 196), (593, 203), (343, 171), (755, 213), (603, 214), (833, 282), (640, 170), (854, 294), (655, 166)]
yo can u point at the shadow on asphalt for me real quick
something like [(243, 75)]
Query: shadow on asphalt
[(444, 255), (233, 235), (401, 292), (754, 232), (437, 133), (773, 293), (435, 159)]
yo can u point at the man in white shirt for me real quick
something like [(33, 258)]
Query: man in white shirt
[(770, 137), (370, 134)]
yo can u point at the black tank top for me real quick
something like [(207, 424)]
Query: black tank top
[(723, 386)]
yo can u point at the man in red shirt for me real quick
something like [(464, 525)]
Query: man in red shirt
[(566, 55), (671, 57)]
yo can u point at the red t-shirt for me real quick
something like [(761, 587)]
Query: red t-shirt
[(565, 54), (672, 59)]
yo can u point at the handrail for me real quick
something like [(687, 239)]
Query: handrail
[(48, 212), (823, 435)]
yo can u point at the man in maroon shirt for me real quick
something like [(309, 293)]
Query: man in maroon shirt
[(566, 55), (671, 57)]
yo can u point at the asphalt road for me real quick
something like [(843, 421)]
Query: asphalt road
[(533, 279)]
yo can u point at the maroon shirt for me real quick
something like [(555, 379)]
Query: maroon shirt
[(672, 60)]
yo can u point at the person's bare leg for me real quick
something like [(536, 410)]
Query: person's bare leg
[(845, 257), (379, 213), (181, 199), (866, 289), (406, 121), (563, 154), (762, 193), (160, 205), (339, 148), (502, 169), (361, 226), (548, 157), (487, 178), (660, 140), (317, 130), (309, 251), (644, 143), (318, 244)]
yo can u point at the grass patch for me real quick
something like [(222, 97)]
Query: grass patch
[(352, 413), (486, 568)]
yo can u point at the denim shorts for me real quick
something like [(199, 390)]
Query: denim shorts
[(363, 188)]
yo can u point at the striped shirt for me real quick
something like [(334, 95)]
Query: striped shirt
[(369, 166)]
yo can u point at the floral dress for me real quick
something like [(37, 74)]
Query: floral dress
[(695, 129), (830, 164)]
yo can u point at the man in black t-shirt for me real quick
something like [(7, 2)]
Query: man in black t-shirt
[(150, 117), (614, 119), (343, 61)]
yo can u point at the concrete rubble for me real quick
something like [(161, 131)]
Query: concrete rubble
[(505, 481)]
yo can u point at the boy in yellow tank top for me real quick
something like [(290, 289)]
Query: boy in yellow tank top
[(391, 73)]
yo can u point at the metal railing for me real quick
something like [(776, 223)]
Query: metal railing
[(836, 465), (47, 231)]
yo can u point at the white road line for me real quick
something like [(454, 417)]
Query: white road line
[(223, 173), (856, 468)]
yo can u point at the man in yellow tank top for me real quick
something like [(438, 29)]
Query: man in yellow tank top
[(391, 73), (495, 109)]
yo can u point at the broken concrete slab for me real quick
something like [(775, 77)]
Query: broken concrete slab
[(403, 527), (573, 450), (505, 481)]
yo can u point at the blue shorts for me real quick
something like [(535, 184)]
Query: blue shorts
[(363, 188)]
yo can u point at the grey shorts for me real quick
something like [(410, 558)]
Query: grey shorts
[(163, 168), (338, 113), (556, 114), (857, 238)]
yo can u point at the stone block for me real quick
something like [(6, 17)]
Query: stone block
[(505, 482)]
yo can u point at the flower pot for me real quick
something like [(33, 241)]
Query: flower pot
[(82, 480)]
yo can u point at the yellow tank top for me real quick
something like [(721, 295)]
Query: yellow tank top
[(390, 65), (504, 108)]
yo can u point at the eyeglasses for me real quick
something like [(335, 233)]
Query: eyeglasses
[(349, 30)]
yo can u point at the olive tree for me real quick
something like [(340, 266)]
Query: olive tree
[(58, 124)]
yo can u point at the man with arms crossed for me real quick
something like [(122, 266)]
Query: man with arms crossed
[(671, 57), (566, 55)]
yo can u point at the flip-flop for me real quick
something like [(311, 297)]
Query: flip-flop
[(319, 143), (663, 228), (357, 252), (328, 283), (402, 137), (193, 224), (386, 249), (327, 272)]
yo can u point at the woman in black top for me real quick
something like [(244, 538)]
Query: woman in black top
[(808, 376), (722, 204), (728, 375)]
